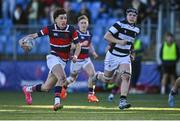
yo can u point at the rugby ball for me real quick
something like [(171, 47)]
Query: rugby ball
[(27, 43)]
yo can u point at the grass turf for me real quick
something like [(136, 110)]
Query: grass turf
[(76, 107)]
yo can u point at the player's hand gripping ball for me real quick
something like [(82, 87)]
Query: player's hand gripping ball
[(27, 43)]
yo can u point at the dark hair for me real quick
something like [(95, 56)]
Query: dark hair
[(133, 10), (57, 12), (82, 17)]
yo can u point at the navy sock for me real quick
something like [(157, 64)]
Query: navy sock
[(65, 87), (173, 93), (90, 90), (57, 91), (37, 88), (123, 97)]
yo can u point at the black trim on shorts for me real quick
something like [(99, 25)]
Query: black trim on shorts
[(59, 57), (118, 55)]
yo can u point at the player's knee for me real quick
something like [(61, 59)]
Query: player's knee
[(91, 75), (74, 74), (71, 79), (125, 75), (107, 78), (62, 79)]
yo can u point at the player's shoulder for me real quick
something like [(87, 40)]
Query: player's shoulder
[(137, 28), (51, 26), (119, 23), (89, 33), (71, 27)]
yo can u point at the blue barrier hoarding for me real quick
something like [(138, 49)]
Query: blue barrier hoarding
[(15, 74)]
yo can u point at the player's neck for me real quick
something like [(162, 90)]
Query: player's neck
[(83, 30), (61, 27)]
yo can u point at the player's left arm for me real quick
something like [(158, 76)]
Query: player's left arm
[(92, 50), (77, 46), (85, 43)]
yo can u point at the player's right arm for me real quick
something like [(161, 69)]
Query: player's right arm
[(33, 36), (77, 45), (42, 32), (109, 36)]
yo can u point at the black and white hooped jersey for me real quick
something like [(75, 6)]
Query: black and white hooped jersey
[(84, 49), (122, 30)]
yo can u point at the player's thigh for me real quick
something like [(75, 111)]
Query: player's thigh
[(125, 68), (59, 72), (75, 67), (53, 61), (89, 68), (109, 73)]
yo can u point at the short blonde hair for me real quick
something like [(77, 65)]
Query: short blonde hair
[(83, 17)]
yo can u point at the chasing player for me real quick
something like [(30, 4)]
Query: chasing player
[(121, 36), (83, 60)]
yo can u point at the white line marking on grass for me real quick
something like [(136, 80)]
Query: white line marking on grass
[(102, 112), (103, 108), (155, 109), (9, 110)]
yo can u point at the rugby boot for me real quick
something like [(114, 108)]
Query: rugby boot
[(28, 97)]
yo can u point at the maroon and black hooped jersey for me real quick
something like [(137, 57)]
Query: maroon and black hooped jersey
[(84, 49), (60, 39)]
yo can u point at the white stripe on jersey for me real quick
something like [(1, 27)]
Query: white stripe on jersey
[(56, 29), (53, 51), (75, 38), (83, 34), (118, 53), (60, 45), (42, 32), (123, 46), (55, 26), (67, 27), (127, 26), (84, 47), (125, 37), (60, 30), (113, 29)]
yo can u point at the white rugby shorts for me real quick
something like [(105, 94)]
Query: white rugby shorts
[(80, 64), (112, 62), (53, 60)]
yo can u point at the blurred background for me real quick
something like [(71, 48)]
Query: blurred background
[(21, 17)]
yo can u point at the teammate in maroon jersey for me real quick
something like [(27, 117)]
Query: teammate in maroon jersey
[(61, 36), (83, 61)]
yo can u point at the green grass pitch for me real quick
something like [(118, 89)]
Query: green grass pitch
[(76, 107)]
